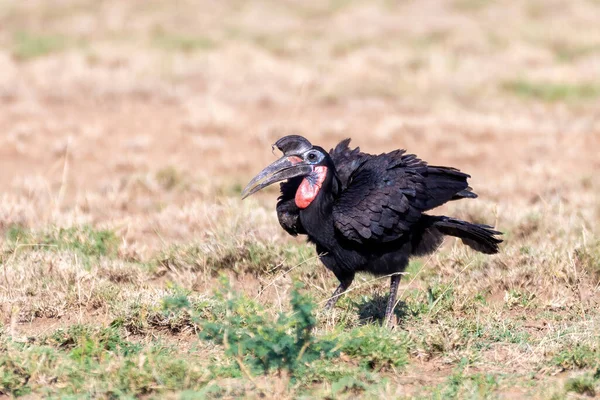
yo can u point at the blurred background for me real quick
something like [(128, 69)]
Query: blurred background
[(147, 116)]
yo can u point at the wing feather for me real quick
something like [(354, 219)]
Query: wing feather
[(383, 196), (288, 212)]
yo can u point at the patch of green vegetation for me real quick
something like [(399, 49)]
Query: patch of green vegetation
[(170, 41), (480, 298), (353, 386), (552, 92), (471, 5), (28, 45), (414, 267), (333, 371), (569, 52), (576, 357), (99, 361), (375, 347), (259, 344), (463, 386), (247, 256), (415, 304), (16, 233), (440, 297), (83, 240), (507, 332), (178, 310), (519, 298), (88, 344), (584, 385)]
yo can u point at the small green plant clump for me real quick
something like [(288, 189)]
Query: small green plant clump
[(552, 92), (30, 45), (577, 357), (260, 344), (98, 362), (83, 240), (375, 347), (289, 345), (584, 385)]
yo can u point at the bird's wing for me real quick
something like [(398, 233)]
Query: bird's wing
[(384, 197), (288, 212), (346, 161)]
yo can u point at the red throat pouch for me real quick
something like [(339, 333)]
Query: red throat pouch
[(310, 186)]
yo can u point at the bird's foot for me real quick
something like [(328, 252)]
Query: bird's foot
[(330, 304)]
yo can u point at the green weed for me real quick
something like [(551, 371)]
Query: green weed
[(259, 344), (16, 233), (82, 240), (327, 370), (585, 385), (552, 92), (96, 361), (463, 386), (471, 5), (89, 345), (254, 339), (173, 315), (375, 347), (569, 52), (29, 45), (579, 356)]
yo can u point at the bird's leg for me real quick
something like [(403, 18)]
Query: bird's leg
[(389, 311), (344, 284)]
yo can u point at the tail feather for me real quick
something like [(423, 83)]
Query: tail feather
[(445, 184), (477, 236), (467, 193)]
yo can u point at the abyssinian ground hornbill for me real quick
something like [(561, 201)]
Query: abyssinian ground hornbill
[(366, 212)]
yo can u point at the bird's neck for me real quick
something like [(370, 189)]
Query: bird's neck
[(316, 217), (310, 187)]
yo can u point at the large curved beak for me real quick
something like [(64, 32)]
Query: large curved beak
[(280, 170)]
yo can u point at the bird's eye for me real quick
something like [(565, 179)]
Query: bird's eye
[(313, 157)]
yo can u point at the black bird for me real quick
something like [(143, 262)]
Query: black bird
[(366, 212)]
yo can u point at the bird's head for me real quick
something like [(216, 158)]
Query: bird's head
[(300, 158)]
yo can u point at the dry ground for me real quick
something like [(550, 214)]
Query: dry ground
[(127, 129)]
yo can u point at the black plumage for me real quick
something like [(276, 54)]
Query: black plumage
[(368, 214)]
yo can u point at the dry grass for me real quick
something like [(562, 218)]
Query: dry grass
[(129, 127)]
